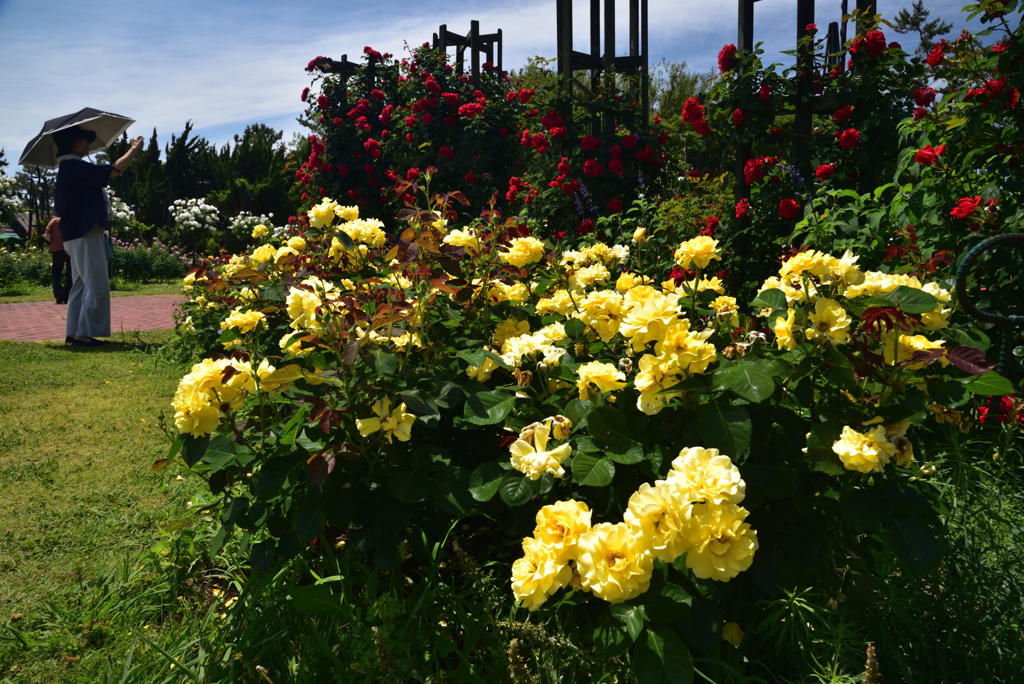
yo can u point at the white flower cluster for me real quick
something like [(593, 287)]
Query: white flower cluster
[(242, 225), (9, 204), (122, 212), (194, 215)]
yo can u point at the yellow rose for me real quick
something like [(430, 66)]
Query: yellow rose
[(523, 251), (705, 475), (650, 321), (640, 235), (244, 321), (865, 452), (259, 231), (732, 633), (699, 251), (660, 517), (346, 213), (323, 214), (560, 526), (395, 423), (537, 575), (559, 302), (653, 378), (605, 376), (603, 311), (510, 328), (829, 320), (727, 543), (613, 563), (467, 239), (482, 373), (297, 243), (263, 254), (784, 330), (533, 460), (898, 352)]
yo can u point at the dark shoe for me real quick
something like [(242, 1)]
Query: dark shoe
[(91, 342), (69, 340)]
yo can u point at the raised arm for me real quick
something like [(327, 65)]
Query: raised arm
[(121, 164)]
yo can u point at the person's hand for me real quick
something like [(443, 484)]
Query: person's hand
[(137, 143)]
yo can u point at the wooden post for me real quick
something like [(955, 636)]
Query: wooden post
[(744, 41), (499, 51), (595, 46), (564, 22), (804, 84), (645, 79), (474, 52), (608, 125)]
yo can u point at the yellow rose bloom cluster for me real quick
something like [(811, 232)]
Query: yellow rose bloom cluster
[(365, 231), (510, 328), (699, 251), (204, 393), (393, 424), (903, 350), (302, 304), (694, 511), (263, 254), (588, 276), (598, 253), (259, 231), (323, 214), (558, 302), (514, 349), (829, 321), (523, 251)]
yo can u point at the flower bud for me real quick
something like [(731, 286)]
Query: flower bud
[(640, 235)]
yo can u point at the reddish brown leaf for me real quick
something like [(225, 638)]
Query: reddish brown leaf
[(970, 360), (319, 466)]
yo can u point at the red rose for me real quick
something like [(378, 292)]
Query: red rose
[(471, 110), (920, 113), (510, 96), (338, 121), (615, 205), (451, 99), (924, 97), (586, 228), (737, 117), (558, 132), (322, 102), (471, 177), (589, 143), (663, 137), (629, 141), (711, 223), (965, 207), (563, 166), (342, 169), (701, 127), (377, 94), (843, 113), (432, 87), (525, 95), (541, 143), (765, 93), (427, 118), (449, 120), (412, 174), (727, 58), (742, 208), (408, 137), (616, 166), (849, 138), (305, 94), (592, 167), (937, 54), (410, 121), (693, 111), (502, 132), (873, 42), (445, 152), (570, 187), (824, 172), (526, 139), (928, 155), (788, 208), (368, 169)]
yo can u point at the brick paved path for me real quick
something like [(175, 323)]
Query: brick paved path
[(38, 321)]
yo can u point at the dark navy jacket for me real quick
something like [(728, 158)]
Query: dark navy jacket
[(79, 197)]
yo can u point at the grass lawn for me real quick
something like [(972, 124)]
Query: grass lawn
[(22, 292), (79, 503)]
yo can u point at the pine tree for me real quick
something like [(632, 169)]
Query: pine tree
[(916, 21)]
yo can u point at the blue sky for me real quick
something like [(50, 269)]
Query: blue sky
[(224, 64)]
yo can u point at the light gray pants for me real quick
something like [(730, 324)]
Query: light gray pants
[(89, 301)]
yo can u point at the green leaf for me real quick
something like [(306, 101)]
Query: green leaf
[(515, 488), (631, 617), (574, 328), (990, 384), (914, 543), (610, 636), (752, 380), (309, 517), (488, 408), (384, 362), (819, 448), (294, 424), (662, 658), (577, 411), (911, 300), (626, 453), (409, 486), (220, 452), (670, 604), (726, 428), (316, 598), (592, 471), (609, 425), (772, 298), (262, 555), (485, 480), (193, 448), (863, 510)]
